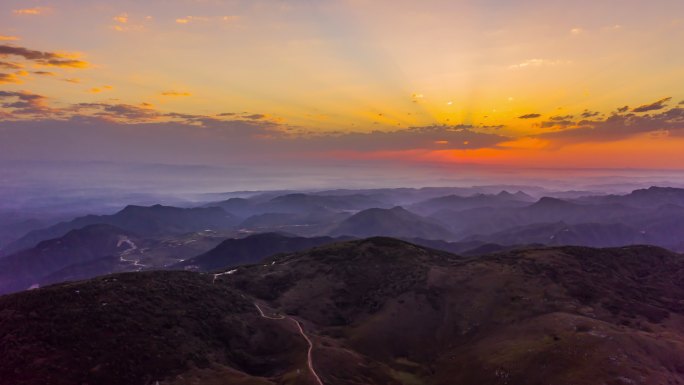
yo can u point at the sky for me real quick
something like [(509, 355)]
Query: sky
[(346, 84)]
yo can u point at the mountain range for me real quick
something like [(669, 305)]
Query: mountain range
[(166, 237)]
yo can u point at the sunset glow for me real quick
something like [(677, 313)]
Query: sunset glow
[(595, 84)]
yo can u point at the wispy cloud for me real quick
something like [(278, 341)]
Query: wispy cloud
[(123, 22), (536, 63), (529, 116), (176, 93), (8, 38), (194, 19)]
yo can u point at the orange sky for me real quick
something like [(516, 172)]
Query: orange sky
[(530, 83)]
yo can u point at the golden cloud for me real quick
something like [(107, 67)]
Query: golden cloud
[(8, 38), (30, 11), (97, 90), (122, 18), (9, 78)]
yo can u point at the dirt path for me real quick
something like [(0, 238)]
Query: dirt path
[(309, 359), (224, 273)]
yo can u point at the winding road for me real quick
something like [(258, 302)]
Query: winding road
[(309, 360)]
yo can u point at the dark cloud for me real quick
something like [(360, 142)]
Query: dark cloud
[(100, 131), (529, 116), (23, 95), (557, 123), (681, 103), (622, 110), (616, 127), (428, 137), (655, 106), (24, 103), (561, 118), (44, 73), (119, 112), (590, 114), (40, 57), (254, 116)]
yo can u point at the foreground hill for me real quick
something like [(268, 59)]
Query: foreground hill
[(135, 328), (375, 311), (145, 221), (249, 250)]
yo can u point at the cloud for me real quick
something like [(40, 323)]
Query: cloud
[(590, 114), (141, 132), (42, 58), (44, 73), (9, 78), (188, 19), (425, 137), (67, 63), (123, 23), (117, 112), (12, 66), (557, 123), (533, 63), (72, 80), (97, 90), (623, 109), (192, 19), (254, 116), (655, 106), (8, 38), (122, 18), (30, 11), (529, 116), (25, 103), (561, 118), (176, 93), (577, 31), (620, 126)]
